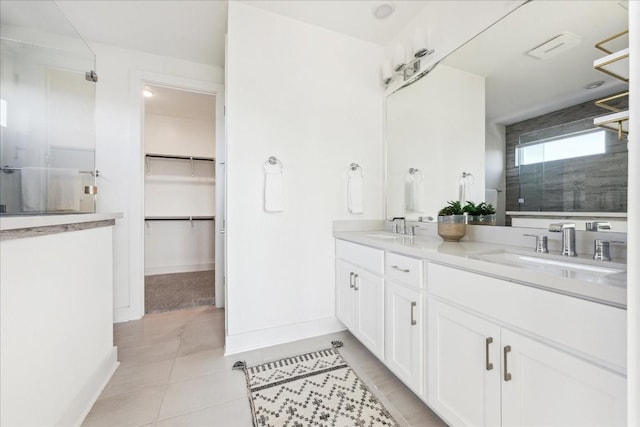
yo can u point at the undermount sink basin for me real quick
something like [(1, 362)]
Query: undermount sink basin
[(575, 268), (387, 236)]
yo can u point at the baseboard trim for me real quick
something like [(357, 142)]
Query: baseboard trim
[(84, 400), (167, 269), (253, 340)]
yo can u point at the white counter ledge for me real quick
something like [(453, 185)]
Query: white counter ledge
[(610, 290), (21, 226)]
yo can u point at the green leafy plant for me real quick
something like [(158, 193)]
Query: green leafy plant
[(482, 208), (452, 208)]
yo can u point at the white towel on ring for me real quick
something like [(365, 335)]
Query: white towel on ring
[(355, 191), (414, 192), (34, 188), (273, 188)]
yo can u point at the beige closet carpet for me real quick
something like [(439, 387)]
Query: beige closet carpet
[(178, 291)]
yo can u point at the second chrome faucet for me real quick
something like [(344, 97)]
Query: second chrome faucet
[(568, 230)]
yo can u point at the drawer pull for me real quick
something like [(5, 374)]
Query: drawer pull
[(413, 320), (351, 280), (488, 365), (507, 375), (395, 267), (355, 282)]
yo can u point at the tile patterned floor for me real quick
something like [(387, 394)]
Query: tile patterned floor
[(173, 373), (178, 291)]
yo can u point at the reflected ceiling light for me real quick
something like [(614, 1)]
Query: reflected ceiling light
[(147, 92), (594, 85), (383, 10)]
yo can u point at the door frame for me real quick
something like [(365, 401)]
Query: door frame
[(136, 195)]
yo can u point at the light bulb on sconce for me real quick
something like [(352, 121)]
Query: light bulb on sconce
[(406, 62)]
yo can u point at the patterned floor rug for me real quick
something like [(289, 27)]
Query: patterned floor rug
[(313, 389)]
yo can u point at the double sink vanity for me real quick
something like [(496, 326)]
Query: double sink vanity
[(488, 333)]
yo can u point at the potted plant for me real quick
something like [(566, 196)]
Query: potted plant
[(481, 214), (452, 222)]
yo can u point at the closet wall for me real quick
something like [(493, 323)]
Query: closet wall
[(179, 143)]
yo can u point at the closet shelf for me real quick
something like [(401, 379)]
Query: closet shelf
[(173, 179), (615, 65), (179, 218), (177, 157)]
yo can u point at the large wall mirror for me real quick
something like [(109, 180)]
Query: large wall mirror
[(513, 124)]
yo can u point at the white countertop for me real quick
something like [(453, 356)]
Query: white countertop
[(610, 290), (32, 221)]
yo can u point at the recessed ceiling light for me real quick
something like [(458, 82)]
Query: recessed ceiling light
[(147, 92), (594, 85), (383, 10)]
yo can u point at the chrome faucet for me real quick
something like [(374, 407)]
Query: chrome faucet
[(597, 226), (568, 230), (541, 243), (399, 227)]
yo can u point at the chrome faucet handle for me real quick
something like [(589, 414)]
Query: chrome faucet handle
[(411, 230), (601, 250), (541, 243), (597, 226)]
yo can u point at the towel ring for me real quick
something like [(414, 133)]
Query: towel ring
[(412, 171), (272, 160), (354, 166)]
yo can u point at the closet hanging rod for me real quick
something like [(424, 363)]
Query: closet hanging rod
[(168, 156), (180, 218), (10, 169)]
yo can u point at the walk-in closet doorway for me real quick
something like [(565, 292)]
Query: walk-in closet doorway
[(179, 144)]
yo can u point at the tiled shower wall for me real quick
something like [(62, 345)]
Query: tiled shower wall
[(596, 183)]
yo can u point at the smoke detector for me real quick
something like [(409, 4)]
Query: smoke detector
[(555, 46)]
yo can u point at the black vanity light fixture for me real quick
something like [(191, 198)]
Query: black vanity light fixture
[(406, 61)]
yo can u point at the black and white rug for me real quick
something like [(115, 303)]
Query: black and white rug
[(313, 389)]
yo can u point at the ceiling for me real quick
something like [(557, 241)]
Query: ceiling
[(186, 104), (194, 30)]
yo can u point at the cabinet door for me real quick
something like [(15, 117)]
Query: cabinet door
[(404, 335), (464, 366), (550, 387), (345, 294), (369, 294)]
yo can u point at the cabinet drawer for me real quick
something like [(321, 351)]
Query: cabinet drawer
[(404, 269), (363, 256)]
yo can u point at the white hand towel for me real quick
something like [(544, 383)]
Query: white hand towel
[(355, 191), (64, 189), (491, 196), (414, 192), (34, 188), (464, 192), (273, 188)]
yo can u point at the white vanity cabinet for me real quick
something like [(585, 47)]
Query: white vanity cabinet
[(482, 372), (360, 293), (404, 320)]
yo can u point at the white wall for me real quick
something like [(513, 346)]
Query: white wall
[(436, 126), (313, 99), (179, 136), (178, 246), (119, 151), (56, 326)]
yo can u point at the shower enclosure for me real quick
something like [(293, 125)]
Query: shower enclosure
[(47, 125)]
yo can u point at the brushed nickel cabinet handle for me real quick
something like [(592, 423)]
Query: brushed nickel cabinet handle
[(351, 280), (507, 375), (355, 282), (413, 320), (395, 267), (488, 365)]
